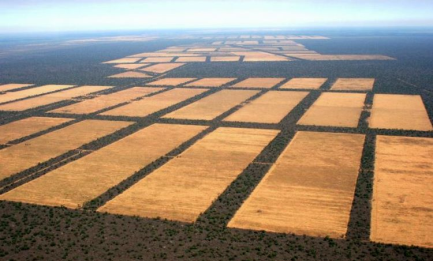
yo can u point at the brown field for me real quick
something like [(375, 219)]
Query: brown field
[(105, 101), (24, 155), (124, 60), (170, 81), (162, 54), (211, 82), (225, 59), (271, 107), (309, 190), (190, 59), (130, 75), (85, 179), (51, 98), (353, 84), (13, 86), (22, 128), (212, 106), (187, 185), (335, 109), (149, 105), (259, 83), (393, 111), (162, 67), (132, 66), (304, 83), (402, 203), (260, 57), (158, 60), (202, 50), (10, 96)]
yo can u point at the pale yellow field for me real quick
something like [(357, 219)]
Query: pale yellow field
[(335, 109), (211, 82), (190, 59), (353, 84), (259, 83), (105, 101), (124, 60), (51, 98), (162, 54), (13, 86), (260, 57), (224, 59), (212, 106), (309, 190), (170, 81), (130, 75), (132, 66), (162, 67), (402, 203), (157, 60), (24, 155), (187, 185), (393, 111), (22, 128), (10, 96), (202, 50), (304, 83), (271, 107), (149, 105), (85, 179)]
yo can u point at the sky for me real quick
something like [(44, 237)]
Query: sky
[(110, 15)]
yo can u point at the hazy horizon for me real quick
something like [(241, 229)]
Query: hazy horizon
[(25, 16)]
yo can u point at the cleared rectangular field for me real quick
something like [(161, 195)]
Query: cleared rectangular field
[(212, 106), (211, 82), (149, 105), (258, 83), (190, 59), (163, 54), (22, 128), (304, 83), (225, 59), (157, 60), (130, 75), (85, 179), (105, 101), (260, 57), (271, 107), (170, 81), (10, 96), (162, 67), (309, 190), (124, 60), (335, 109), (22, 156), (402, 203), (131, 66), (51, 98), (392, 111), (353, 84), (13, 86), (187, 185)]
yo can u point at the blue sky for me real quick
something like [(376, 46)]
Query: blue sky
[(90, 15)]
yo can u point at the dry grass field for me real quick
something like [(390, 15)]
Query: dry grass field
[(261, 57), (164, 54), (80, 181), (149, 105), (402, 203), (212, 106), (335, 109), (105, 101), (13, 86), (392, 111), (23, 128), (10, 96), (124, 60), (310, 188), (225, 59), (304, 83), (51, 98), (27, 154), (170, 81), (211, 82), (259, 83), (131, 66), (190, 59), (353, 84), (157, 60), (188, 184), (271, 107), (130, 75), (162, 67)]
